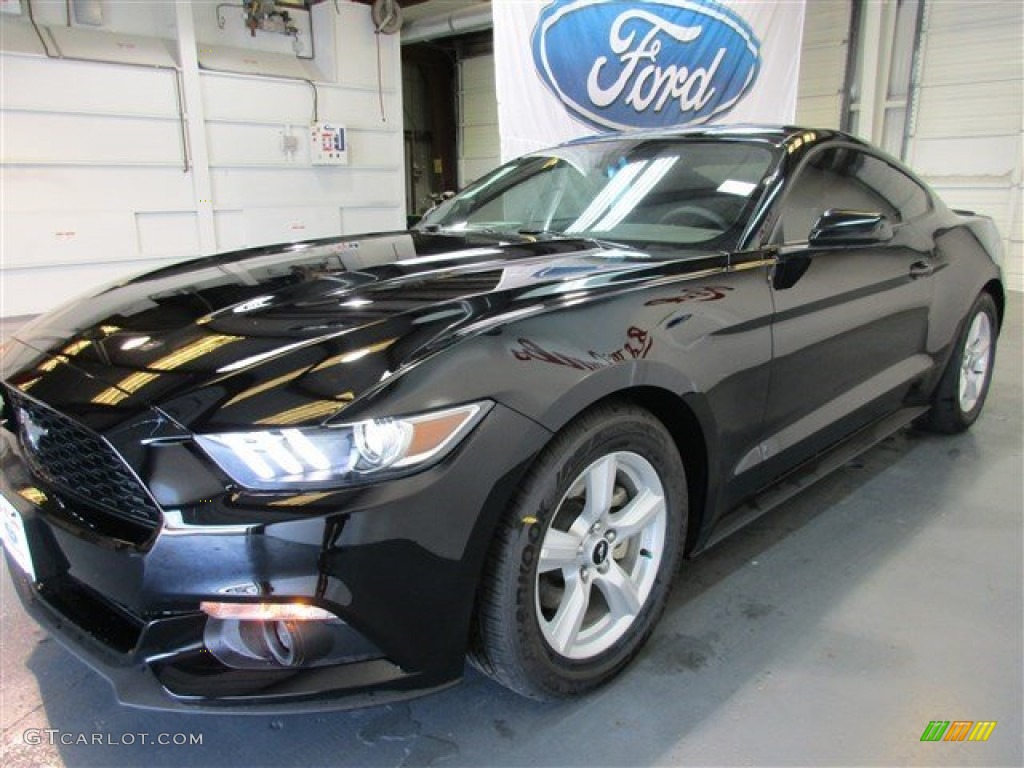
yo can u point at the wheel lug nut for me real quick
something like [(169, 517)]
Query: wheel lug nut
[(585, 573), (610, 535)]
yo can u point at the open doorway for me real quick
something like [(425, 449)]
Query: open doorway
[(451, 125)]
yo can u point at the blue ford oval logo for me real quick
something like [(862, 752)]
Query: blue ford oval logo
[(660, 63)]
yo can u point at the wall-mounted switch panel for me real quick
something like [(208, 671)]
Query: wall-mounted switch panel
[(328, 144)]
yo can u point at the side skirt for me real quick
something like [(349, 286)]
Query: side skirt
[(811, 471)]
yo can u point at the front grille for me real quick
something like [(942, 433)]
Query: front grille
[(81, 463), (88, 610)]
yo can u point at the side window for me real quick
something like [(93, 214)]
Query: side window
[(846, 178), (901, 191)]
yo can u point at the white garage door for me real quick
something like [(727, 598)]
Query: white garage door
[(823, 54), (479, 146), (970, 114)]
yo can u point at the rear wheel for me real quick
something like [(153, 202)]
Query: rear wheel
[(963, 388), (583, 561)]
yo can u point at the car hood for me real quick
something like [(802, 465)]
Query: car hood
[(291, 335)]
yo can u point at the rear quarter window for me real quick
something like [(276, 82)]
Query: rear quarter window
[(845, 177)]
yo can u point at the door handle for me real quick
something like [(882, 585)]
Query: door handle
[(921, 269)]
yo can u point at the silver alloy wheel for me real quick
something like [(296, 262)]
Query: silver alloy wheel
[(975, 362), (600, 555)]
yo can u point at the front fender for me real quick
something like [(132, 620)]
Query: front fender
[(704, 341)]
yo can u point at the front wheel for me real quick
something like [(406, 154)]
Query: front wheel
[(582, 564), (961, 393)]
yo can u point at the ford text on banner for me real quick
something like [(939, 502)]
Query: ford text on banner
[(572, 68)]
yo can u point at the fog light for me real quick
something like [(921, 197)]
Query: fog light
[(285, 644), (275, 612), (294, 645)]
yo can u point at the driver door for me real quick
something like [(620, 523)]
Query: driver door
[(850, 321)]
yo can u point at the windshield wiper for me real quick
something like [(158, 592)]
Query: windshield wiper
[(552, 233), (436, 229), (612, 245)]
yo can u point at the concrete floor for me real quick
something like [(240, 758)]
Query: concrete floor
[(830, 633)]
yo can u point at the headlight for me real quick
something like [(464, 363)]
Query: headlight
[(346, 454)]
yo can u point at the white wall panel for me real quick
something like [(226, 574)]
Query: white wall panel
[(373, 219), (19, 38), (237, 144), (260, 144), (970, 109), (479, 144), (51, 85), (373, 148), (90, 43), (229, 226), (985, 16), (93, 159), (52, 138), (360, 108), (231, 97), (358, 47), (283, 224), (149, 18), (478, 73), (818, 111), (967, 156), (968, 131), (822, 70), (263, 187), (168, 233), (823, 53), (56, 188), (38, 238), (477, 111), (250, 99), (250, 62), (1001, 53)]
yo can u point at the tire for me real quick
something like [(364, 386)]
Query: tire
[(962, 390), (568, 596)]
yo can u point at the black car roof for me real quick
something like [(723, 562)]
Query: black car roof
[(777, 135)]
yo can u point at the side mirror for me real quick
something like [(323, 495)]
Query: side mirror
[(836, 227)]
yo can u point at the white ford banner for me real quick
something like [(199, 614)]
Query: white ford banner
[(572, 68)]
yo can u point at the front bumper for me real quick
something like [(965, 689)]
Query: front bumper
[(138, 682), (398, 563)]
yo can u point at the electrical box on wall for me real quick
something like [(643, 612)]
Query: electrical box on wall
[(88, 12), (328, 144)]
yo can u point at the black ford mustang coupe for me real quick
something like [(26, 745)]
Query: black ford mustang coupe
[(321, 474)]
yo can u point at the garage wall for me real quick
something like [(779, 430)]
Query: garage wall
[(823, 53), (94, 185), (968, 125), (479, 143)]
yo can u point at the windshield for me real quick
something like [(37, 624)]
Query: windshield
[(651, 192)]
